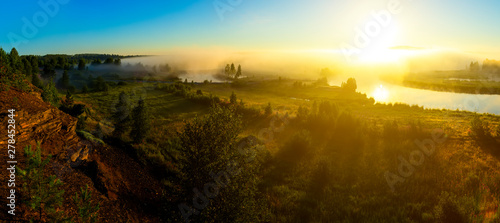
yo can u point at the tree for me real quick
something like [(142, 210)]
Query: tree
[(48, 71), (42, 194), (326, 72), (118, 62), (68, 102), (35, 80), (15, 61), (85, 89), (99, 84), (121, 116), (4, 58), (96, 62), (350, 85), (232, 72), (141, 125), (34, 64), (227, 70), (238, 73), (233, 98), (109, 60), (87, 212), (50, 94), (27, 67), (81, 64), (210, 149), (64, 81), (269, 109), (474, 66)]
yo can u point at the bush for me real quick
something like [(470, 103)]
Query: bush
[(479, 129), (268, 110), (296, 149), (448, 209)]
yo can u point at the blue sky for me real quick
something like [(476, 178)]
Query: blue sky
[(156, 27)]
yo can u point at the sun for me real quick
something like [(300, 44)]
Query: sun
[(381, 94)]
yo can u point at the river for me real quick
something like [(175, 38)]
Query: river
[(389, 93)]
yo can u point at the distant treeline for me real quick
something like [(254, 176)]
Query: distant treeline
[(492, 66)]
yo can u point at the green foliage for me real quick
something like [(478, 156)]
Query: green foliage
[(35, 80), (141, 122), (296, 149), (85, 89), (81, 64), (12, 71), (121, 116), (42, 195), (64, 81), (99, 84), (50, 94), (68, 102), (49, 71), (117, 62), (209, 147), (109, 60), (479, 129), (87, 212)]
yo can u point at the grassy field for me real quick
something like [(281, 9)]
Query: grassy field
[(334, 156)]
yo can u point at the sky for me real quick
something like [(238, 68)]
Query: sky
[(155, 27)]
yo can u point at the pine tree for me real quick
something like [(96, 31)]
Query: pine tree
[(238, 73), (50, 94), (42, 195), (86, 211), (15, 60), (68, 101), (35, 80), (65, 80), (141, 125), (227, 70), (233, 70), (81, 64), (121, 116)]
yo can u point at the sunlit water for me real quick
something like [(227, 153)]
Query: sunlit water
[(388, 93)]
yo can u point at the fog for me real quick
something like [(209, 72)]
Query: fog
[(301, 64)]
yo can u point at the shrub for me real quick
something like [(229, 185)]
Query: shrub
[(268, 110), (479, 128), (86, 211)]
